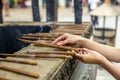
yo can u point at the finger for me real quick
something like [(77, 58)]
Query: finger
[(58, 39), (73, 51), (79, 56), (78, 50), (83, 51), (62, 42), (86, 50)]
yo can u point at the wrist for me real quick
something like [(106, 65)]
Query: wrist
[(103, 62), (82, 42)]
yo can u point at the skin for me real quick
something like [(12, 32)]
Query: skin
[(95, 53)]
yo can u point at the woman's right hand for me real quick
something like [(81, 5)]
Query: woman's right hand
[(68, 39)]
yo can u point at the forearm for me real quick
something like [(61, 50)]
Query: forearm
[(114, 70), (109, 52)]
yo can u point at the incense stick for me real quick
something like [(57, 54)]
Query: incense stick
[(38, 56), (50, 52), (35, 38), (19, 61), (48, 45), (4, 79), (38, 35), (31, 74)]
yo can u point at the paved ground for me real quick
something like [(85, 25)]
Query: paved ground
[(67, 15)]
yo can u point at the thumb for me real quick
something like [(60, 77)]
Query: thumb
[(86, 50), (79, 55)]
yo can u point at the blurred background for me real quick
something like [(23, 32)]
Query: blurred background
[(21, 11)]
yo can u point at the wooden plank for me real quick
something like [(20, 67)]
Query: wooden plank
[(48, 69), (1, 16), (42, 68)]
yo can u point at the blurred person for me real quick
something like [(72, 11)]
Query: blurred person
[(84, 2), (114, 2), (7, 7), (102, 1), (43, 3), (93, 4), (68, 3), (118, 1), (23, 5), (93, 52)]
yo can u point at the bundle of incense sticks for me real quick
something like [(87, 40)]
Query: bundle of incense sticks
[(47, 45), (35, 38), (42, 35), (38, 56), (4, 79), (68, 24), (61, 33), (18, 61), (29, 38), (31, 74), (68, 30), (50, 52), (71, 31), (52, 34)]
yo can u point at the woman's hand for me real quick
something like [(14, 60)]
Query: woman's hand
[(89, 56), (68, 39)]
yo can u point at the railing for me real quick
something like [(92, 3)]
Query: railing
[(51, 11)]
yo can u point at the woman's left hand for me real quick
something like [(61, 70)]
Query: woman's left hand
[(89, 56)]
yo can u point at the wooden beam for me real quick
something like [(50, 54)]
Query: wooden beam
[(78, 11), (1, 16), (35, 11), (51, 10)]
